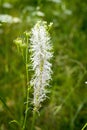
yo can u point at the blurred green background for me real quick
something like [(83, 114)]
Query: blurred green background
[(66, 109)]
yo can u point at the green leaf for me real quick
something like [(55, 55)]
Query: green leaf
[(4, 103), (6, 106), (15, 121)]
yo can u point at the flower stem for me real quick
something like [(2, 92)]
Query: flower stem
[(27, 84), (33, 120)]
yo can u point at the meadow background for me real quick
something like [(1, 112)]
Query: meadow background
[(66, 108)]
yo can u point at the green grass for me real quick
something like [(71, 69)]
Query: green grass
[(66, 109)]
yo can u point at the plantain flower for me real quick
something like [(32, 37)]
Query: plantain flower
[(41, 53)]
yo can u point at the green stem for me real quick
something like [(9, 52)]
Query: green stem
[(33, 120), (27, 93), (84, 126)]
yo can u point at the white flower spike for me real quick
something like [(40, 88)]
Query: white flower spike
[(41, 53)]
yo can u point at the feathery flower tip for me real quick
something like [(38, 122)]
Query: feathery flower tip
[(41, 50)]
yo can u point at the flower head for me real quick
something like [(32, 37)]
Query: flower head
[(41, 53)]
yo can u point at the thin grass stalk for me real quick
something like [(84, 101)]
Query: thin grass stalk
[(27, 84)]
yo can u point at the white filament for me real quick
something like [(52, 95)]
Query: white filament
[(41, 53)]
